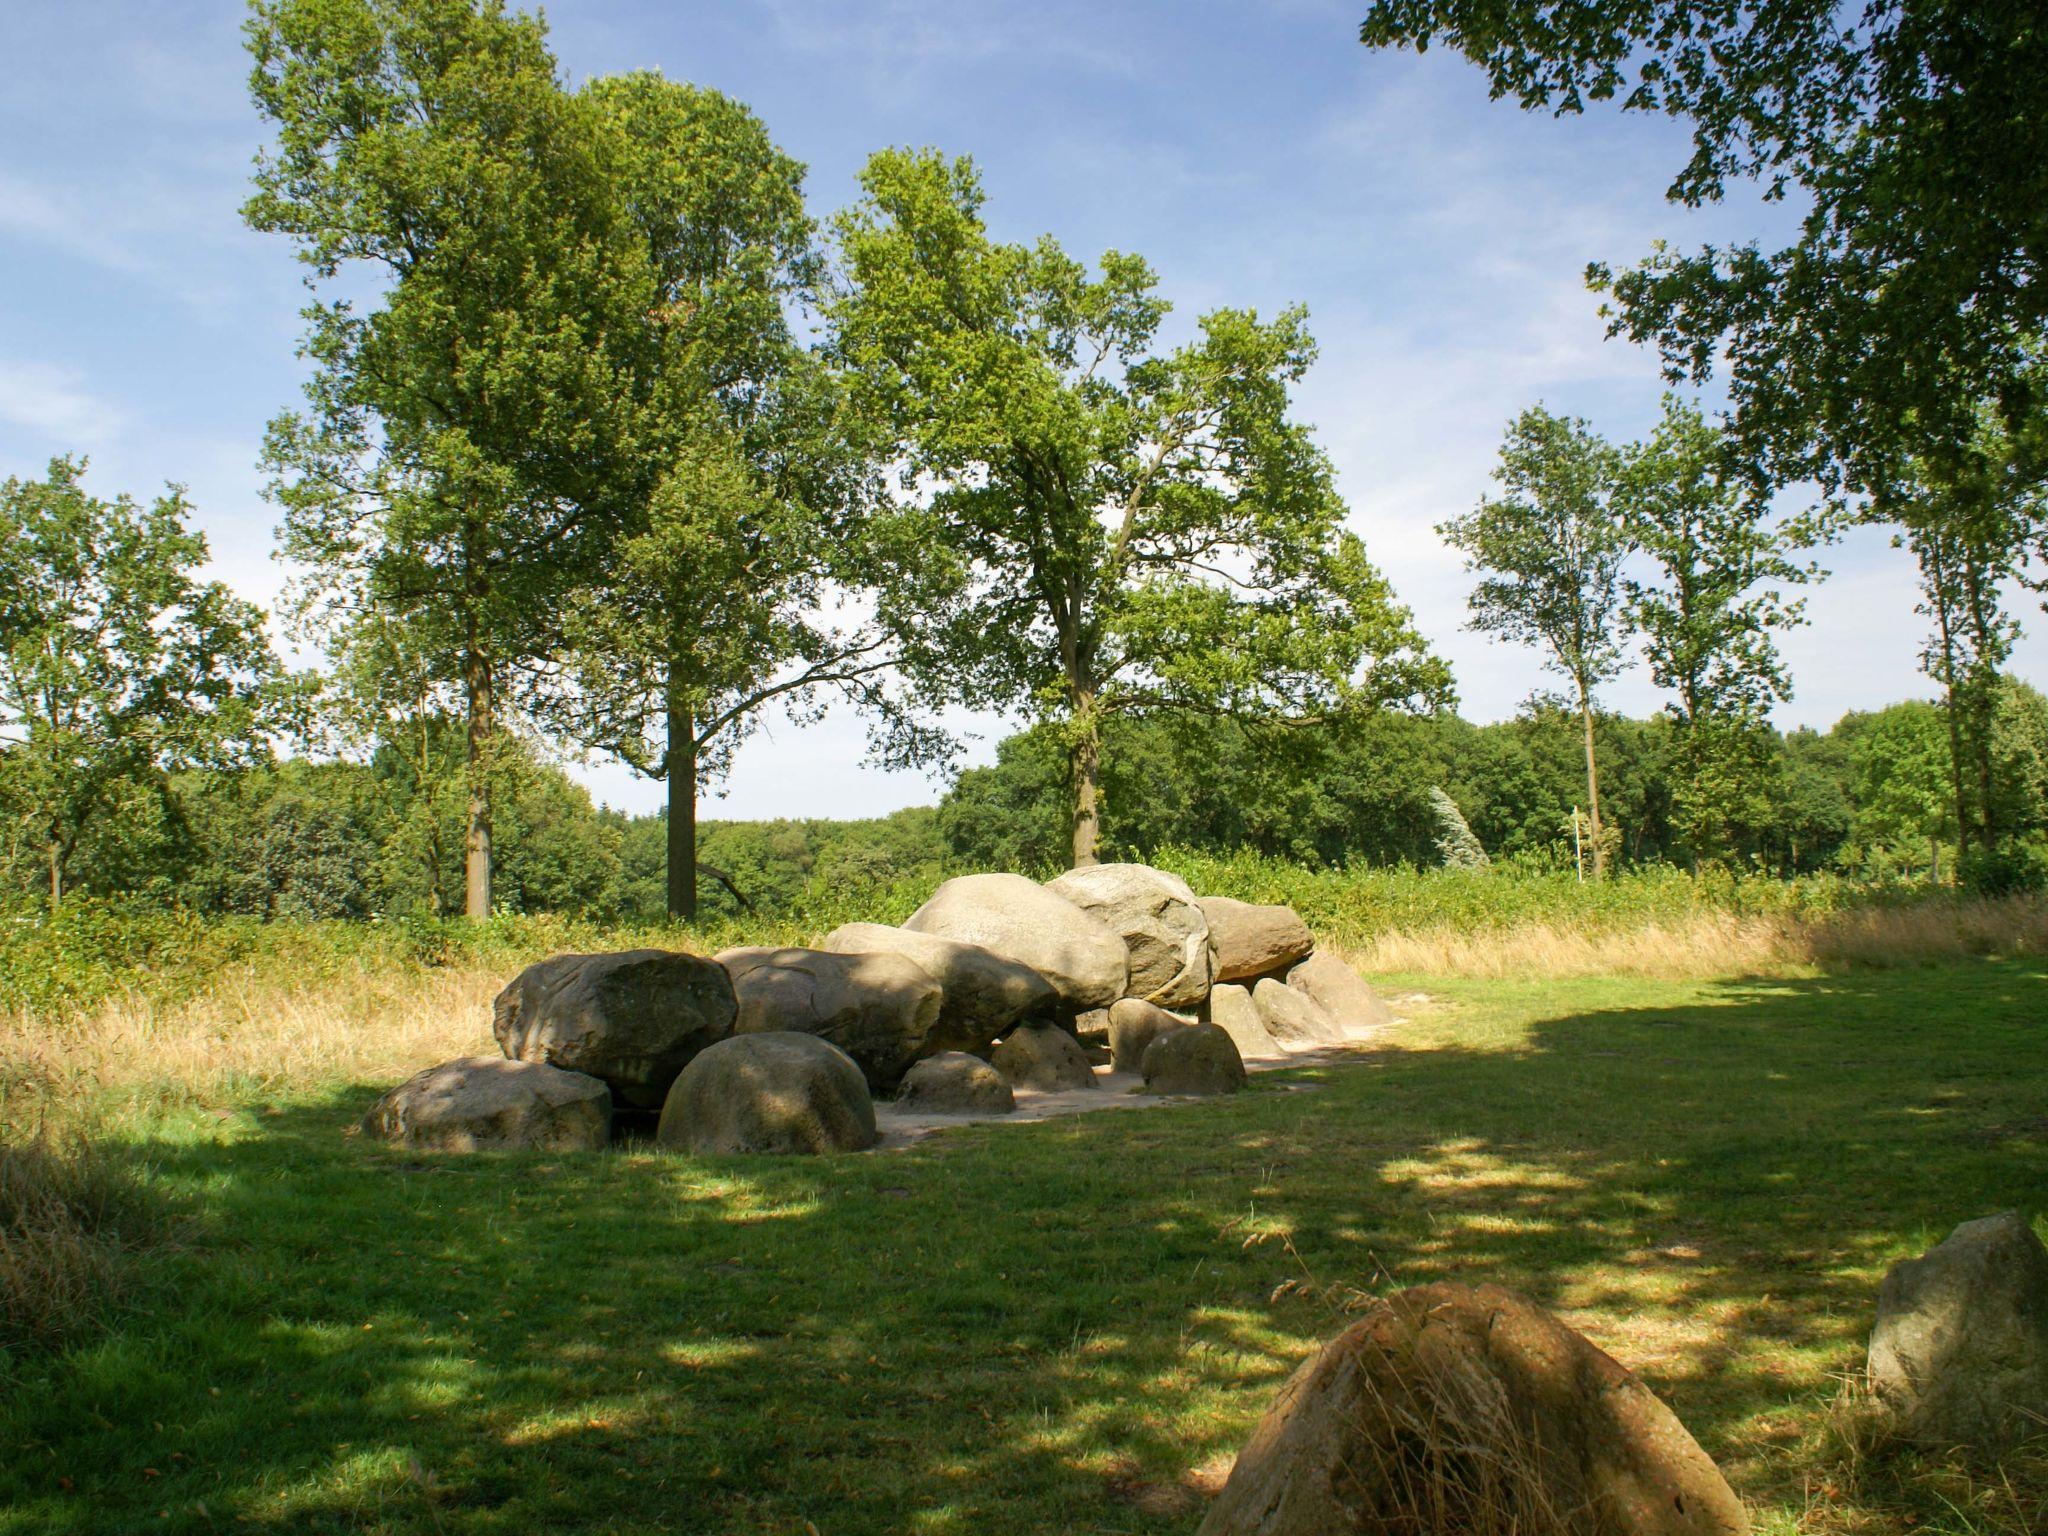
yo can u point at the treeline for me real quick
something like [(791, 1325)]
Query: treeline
[(1869, 799), (299, 840), (295, 840)]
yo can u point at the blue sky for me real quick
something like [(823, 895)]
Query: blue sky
[(1254, 153)]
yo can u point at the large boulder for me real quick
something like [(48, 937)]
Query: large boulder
[(1232, 1010), (633, 1019), (1199, 1058), (984, 993), (1133, 1025), (1449, 1408), (1166, 938), (1959, 1356), (881, 1009), (1043, 1057), (475, 1102), (1252, 940), (775, 1092), (955, 1083), (1341, 992), (1021, 920), (1290, 1017)]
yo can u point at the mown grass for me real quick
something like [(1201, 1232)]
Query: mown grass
[(1067, 1326)]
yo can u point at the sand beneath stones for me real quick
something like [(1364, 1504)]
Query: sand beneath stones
[(1112, 1090)]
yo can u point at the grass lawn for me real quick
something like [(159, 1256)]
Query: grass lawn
[(1063, 1327)]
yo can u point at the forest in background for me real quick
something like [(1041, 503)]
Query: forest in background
[(297, 839)]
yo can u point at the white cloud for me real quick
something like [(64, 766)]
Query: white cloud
[(55, 404)]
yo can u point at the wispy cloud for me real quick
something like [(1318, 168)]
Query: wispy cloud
[(54, 403)]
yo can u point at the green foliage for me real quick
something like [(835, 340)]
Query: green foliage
[(118, 666), (1127, 531), (1550, 550), (1902, 304), (445, 480), (1708, 613)]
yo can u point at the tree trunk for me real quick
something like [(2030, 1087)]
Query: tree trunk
[(477, 847), (1954, 704), (682, 805), (1086, 759), (56, 870), (1592, 786)]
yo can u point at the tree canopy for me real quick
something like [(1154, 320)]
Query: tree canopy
[(1912, 135), (118, 666), (1127, 529)]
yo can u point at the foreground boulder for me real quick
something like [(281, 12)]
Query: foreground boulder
[(1133, 1026), (1165, 935), (1021, 920), (1959, 1356), (955, 1083), (1232, 1010), (776, 1092), (1252, 940), (1449, 1408), (983, 993), (476, 1102), (1292, 1018), (1197, 1058), (1341, 992), (633, 1019), (1043, 1057), (881, 1009)]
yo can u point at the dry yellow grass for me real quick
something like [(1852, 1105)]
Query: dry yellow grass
[(1717, 944), (247, 1036)]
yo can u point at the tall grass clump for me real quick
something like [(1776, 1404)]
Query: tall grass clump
[(73, 1221)]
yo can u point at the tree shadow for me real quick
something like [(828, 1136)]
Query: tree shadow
[(1066, 1325)]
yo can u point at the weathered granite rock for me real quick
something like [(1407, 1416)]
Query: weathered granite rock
[(633, 1019), (1133, 1025), (1449, 1408), (881, 1009), (1021, 920), (777, 1092), (984, 993), (1232, 1010), (955, 1083), (1959, 1356), (1165, 935), (1252, 940), (1043, 1057), (477, 1102), (1291, 1018), (1196, 1058), (1341, 992)]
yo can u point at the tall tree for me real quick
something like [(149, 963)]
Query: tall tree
[(1708, 613), (1550, 553), (1969, 520), (444, 472), (747, 529), (118, 666), (1129, 531), (1915, 132)]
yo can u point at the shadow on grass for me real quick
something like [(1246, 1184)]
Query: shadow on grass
[(1064, 1326)]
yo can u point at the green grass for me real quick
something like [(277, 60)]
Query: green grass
[(1056, 1327)]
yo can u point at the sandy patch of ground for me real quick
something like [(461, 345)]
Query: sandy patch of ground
[(1112, 1090)]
